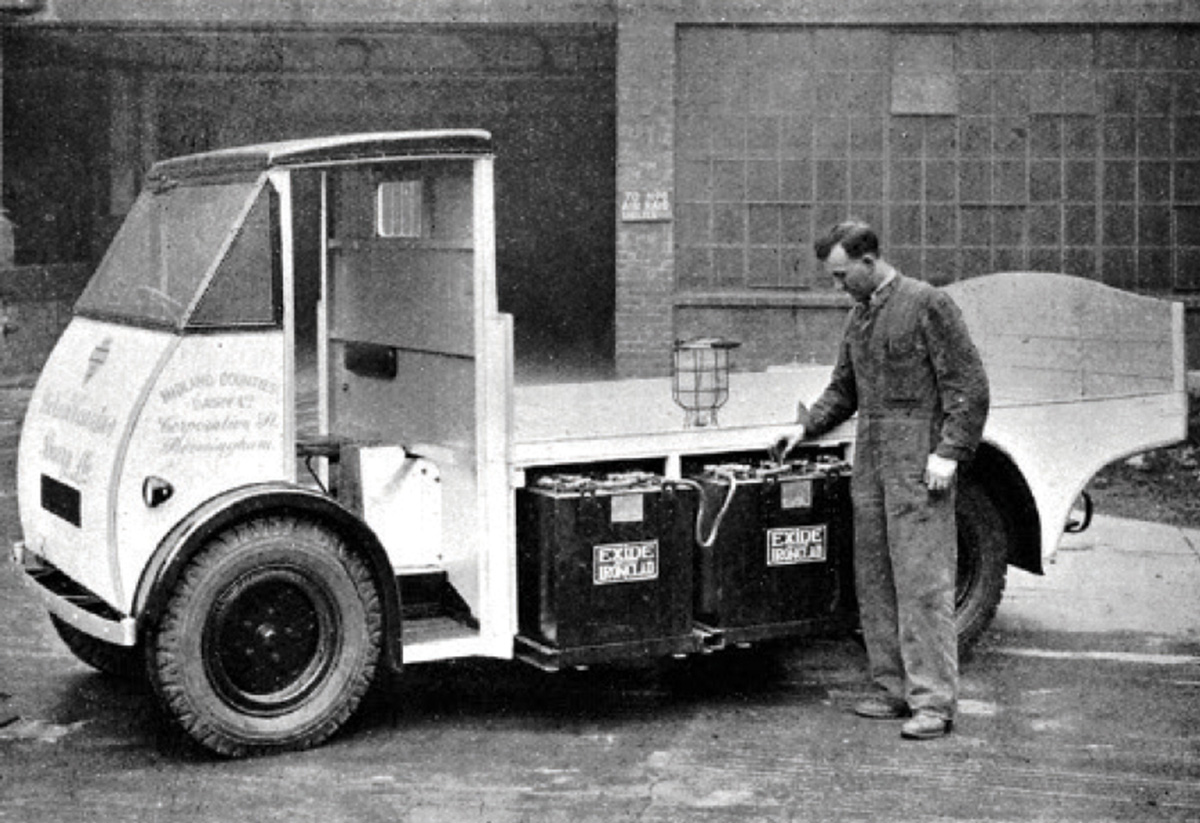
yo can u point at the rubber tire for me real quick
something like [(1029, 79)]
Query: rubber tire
[(108, 658), (983, 544), (231, 606)]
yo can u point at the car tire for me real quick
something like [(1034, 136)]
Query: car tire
[(270, 639), (983, 545)]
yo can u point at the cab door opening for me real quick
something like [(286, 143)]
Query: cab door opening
[(395, 360)]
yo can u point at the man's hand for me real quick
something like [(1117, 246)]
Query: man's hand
[(781, 447), (939, 473)]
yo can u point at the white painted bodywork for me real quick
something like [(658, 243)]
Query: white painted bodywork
[(191, 411), (76, 430), (216, 411), (402, 503), (1081, 375)]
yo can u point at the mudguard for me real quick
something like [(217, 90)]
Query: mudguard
[(260, 499)]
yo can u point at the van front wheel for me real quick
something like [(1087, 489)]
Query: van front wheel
[(270, 639)]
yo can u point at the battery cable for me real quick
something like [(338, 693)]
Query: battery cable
[(734, 474), (731, 477)]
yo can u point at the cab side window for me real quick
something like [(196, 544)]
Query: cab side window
[(245, 290), (400, 209)]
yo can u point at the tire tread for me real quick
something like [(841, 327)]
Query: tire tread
[(166, 668), (984, 600)]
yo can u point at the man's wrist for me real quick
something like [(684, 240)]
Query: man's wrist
[(956, 453)]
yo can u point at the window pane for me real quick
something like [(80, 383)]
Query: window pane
[(243, 291), (401, 208), (164, 251)]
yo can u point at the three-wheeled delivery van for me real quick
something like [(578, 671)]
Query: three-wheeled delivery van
[(279, 452)]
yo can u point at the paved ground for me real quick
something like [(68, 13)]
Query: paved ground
[(1082, 704)]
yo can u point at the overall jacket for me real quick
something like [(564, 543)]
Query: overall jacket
[(906, 357), (908, 367)]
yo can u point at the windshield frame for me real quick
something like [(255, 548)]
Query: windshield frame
[(126, 268)]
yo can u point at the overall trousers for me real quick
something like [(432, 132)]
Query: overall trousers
[(908, 368)]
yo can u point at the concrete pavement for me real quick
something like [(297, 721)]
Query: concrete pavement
[(1082, 703), (1117, 577)]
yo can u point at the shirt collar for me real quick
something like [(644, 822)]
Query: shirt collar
[(883, 289)]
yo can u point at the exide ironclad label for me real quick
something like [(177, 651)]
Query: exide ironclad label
[(625, 562), (790, 545)]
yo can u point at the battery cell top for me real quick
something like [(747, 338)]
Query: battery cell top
[(740, 472), (612, 483)]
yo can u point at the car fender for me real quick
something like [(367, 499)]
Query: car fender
[(262, 499), (1003, 481)]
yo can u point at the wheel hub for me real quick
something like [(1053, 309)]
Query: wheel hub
[(267, 642)]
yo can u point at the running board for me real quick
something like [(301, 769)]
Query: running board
[(429, 594)]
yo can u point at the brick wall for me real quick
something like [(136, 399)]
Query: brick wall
[(972, 149), (645, 162), (35, 306), (772, 330)]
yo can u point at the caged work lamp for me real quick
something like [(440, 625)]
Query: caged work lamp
[(700, 378)]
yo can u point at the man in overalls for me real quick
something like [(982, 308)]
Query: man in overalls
[(908, 367)]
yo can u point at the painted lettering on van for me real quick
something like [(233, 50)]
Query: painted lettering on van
[(222, 380), (75, 410), (180, 388), (219, 448), (72, 465), (224, 414)]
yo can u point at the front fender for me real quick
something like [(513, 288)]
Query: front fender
[(258, 500)]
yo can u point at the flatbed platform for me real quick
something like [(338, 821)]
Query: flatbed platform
[(629, 419)]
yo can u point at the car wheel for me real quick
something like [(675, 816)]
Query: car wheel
[(983, 542), (270, 639)]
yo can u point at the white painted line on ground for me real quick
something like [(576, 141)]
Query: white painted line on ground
[(1116, 657)]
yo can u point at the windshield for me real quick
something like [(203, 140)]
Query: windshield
[(164, 252)]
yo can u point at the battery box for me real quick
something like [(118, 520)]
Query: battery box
[(605, 567), (781, 556)]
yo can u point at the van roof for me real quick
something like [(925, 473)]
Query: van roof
[(319, 151)]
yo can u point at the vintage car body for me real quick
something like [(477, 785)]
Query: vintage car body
[(259, 471)]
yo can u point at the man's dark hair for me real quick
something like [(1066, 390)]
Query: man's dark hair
[(855, 236)]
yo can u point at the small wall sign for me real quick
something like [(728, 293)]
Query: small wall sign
[(645, 206)]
